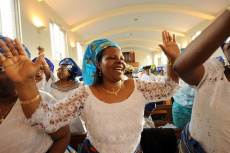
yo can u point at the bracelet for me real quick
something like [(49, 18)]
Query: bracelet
[(26, 102)]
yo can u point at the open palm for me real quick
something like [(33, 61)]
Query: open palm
[(170, 47), (18, 67)]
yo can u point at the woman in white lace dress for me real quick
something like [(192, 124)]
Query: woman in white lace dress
[(16, 134), (67, 73), (209, 128), (112, 109)]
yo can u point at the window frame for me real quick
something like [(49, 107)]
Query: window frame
[(79, 59), (17, 21), (61, 30)]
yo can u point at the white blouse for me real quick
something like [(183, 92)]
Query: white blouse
[(113, 127), (146, 77), (17, 136), (59, 94), (41, 84), (210, 121)]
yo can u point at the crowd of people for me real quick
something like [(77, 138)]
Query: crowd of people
[(39, 111)]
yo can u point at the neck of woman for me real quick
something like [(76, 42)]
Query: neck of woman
[(38, 79), (64, 81), (111, 86)]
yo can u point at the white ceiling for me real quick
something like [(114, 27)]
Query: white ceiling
[(134, 24)]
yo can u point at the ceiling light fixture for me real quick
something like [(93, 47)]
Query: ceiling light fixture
[(41, 27)]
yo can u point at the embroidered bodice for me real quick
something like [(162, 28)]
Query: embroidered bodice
[(60, 93), (113, 127)]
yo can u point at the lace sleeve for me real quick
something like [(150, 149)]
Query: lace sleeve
[(52, 115), (157, 91)]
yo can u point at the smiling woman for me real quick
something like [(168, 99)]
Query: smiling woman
[(67, 73), (112, 108)]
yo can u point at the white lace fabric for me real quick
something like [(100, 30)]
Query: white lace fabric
[(52, 115), (60, 93), (157, 91), (210, 122), (113, 127)]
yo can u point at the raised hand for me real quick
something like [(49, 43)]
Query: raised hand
[(18, 67), (40, 50), (169, 47)]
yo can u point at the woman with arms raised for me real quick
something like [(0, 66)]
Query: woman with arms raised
[(16, 135), (112, 109), (208, 130)]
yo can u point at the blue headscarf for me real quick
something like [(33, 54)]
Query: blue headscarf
[(220, 58), (141, 69), (2, 52), (181, 50), (159, 68), (90, 59), (51, 65), (74, 69), (151, 106)]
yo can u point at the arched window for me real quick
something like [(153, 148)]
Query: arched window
[(156, 60), (9, 18), (58, 41), (79, 53), (164, 59)]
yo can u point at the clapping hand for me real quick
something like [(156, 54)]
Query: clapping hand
[(40, 50), (16, 63), (170, 47)]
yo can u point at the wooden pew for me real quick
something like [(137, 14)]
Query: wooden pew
[(164, 110)]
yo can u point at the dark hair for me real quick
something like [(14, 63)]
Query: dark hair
[(128, 72)]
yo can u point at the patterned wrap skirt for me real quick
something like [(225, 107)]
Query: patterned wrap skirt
[(88, 148), (188, 144)]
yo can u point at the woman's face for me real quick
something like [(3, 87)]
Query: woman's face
[(112, 64), (162, 72), (227, 51), (63, 73), (40, 72)]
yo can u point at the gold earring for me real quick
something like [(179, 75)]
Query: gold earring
[(99, 73)]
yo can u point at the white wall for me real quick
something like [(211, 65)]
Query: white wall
[(185, 40), (33, 38)]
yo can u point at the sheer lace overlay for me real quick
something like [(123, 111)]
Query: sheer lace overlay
[(50, 116), (157, 91), (115, 127), (210, 120)]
